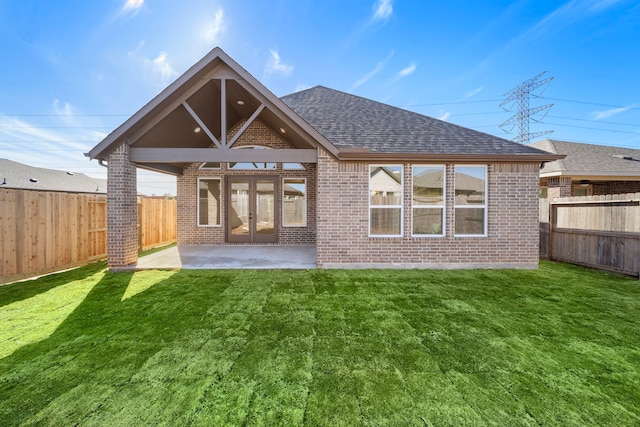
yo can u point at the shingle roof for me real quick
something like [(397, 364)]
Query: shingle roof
[(18, 175), (590, 158), (350, 121)]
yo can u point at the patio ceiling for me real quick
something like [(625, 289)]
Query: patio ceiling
[(192, 120)]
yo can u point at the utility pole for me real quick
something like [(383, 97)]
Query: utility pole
[(518, 97)]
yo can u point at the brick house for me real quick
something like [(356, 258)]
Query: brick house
[(368, 184), (589, 169)]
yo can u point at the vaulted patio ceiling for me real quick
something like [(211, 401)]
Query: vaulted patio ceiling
[(191, 120)]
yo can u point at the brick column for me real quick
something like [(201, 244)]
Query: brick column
[(558, 186), (122, 210)]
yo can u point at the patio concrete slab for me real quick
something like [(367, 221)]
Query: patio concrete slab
[(230, 257)]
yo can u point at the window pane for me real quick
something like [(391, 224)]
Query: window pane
[(294, 202), (209, 195), (255, 165), (428, 185), (469, 221), (470, 184), (385, 221), (427, 220), (385, 183), (210, 165), (292, 166)]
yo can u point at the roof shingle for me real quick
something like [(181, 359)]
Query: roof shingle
[(350, 121)]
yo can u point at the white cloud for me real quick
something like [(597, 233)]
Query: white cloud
[(382, 10), (368, 77), (65, 111), (444, 115), (163, 68), (372, 73), (301, 86), (408, 70), (215, 27), (133, 6), (137, 49), (473, 93), (599, 115), (275, 65)]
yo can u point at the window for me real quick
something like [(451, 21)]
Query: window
[(209, 202), (293, 166), (385, 201), (294, 202), (471, 201), (252, 165), (428, 200), (210, 165)]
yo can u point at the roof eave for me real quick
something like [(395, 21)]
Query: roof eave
[(106, 146), (592, 175), (356, 155)]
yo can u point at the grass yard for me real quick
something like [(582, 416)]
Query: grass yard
[(557, 346)]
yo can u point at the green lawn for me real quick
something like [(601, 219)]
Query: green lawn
[(557, 346)]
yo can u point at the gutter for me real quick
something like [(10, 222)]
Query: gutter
[(366, 155)]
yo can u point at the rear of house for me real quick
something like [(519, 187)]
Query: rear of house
[(368, 184)]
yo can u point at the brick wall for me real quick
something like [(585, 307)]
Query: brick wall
[(122, 210), (342, 222), (559, 186), (189, 233), (615, 187)]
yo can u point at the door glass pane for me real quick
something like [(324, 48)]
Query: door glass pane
[(239, 213), (265, 207)]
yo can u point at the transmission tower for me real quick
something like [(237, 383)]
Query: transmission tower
[(518, 97)]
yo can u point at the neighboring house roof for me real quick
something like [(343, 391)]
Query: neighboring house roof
[(347, 126), (21, 176), (591, 161), (352, 122)]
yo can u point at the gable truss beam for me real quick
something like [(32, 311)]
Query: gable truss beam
[(246, 125), (169, 108), (204, 127)]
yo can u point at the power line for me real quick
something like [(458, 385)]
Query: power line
[(589, 103)]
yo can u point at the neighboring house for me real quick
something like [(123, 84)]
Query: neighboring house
[(20, 176), (589, 170), (375, 185)]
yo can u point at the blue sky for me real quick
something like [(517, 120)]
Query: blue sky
[(72, 71)]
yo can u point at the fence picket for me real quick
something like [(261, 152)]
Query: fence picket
[(597, 231), (49, 231)]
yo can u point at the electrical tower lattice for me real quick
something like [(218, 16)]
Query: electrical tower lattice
[(518, 97)]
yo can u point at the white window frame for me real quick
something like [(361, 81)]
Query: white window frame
[(484, 206), (198, 204), (306, 202), (401, 205), (443, 206)]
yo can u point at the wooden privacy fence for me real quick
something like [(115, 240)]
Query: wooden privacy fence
[(596, 231), (45, 231)]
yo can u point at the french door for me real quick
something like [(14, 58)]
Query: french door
[(252, 209)]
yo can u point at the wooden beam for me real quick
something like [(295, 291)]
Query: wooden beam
[(202, 125), (223, 112), (246, 125), (192, 155)]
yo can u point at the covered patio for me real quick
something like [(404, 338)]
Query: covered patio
[(229, 257)]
